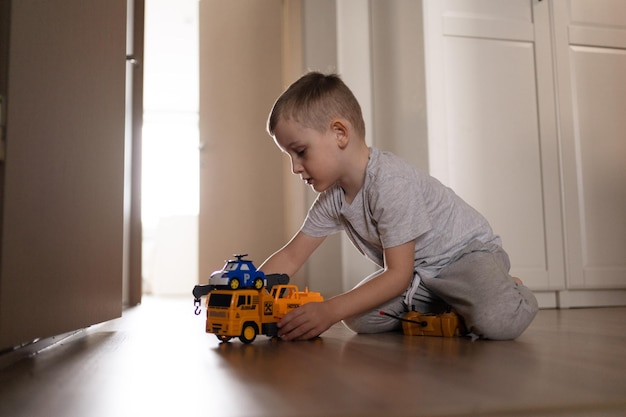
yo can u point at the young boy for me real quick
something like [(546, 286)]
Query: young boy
[(435, 251)]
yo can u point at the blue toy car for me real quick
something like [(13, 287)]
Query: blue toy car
[(239, 273)]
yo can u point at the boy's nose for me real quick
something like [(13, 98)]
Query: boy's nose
[(296, 167)]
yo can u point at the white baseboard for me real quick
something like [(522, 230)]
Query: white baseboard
[(580, 298), (546, 299), (591, 298)]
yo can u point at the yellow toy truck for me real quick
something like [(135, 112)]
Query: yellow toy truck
[(447, 324), (248, 312)]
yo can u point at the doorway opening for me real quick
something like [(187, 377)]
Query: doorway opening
[(170, 161)]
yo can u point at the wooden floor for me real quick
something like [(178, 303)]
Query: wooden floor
[(157, 361)]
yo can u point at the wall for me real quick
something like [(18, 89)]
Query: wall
[(398, 80), (381, 58), (377, 48), (241, 171), (310, 43)]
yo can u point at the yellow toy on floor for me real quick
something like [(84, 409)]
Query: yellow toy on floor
[(415, 323)]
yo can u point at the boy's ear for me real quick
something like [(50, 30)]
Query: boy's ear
[(341, 129)]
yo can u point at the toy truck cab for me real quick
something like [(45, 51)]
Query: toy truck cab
[(238, 273), (243, 313)]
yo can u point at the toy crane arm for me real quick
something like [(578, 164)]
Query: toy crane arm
[(198, 292), (275, 279), (202, 290)]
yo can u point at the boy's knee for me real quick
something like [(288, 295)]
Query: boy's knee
[(504, 322)]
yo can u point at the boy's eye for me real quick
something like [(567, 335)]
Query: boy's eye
[(300, 152)]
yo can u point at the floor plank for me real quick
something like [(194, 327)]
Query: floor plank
[(157, 359)]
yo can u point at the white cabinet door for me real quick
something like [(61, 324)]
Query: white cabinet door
[(492, 125), (591, 60)]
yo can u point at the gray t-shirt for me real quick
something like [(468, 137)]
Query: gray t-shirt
[(399, 203)]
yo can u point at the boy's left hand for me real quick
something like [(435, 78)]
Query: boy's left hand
[(305, 322)]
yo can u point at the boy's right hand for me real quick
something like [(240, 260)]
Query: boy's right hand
[(306, 322)]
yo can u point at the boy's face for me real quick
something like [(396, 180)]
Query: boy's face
[(315, 156)]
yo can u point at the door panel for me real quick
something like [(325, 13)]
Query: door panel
[(492, 128), (62, 252), (590, 42), (600, 100), (599, 23), (492, 19), (494, 154), (601, 176)]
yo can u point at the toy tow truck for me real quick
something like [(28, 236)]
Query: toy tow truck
[(248, 312)]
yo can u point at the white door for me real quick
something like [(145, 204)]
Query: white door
[(62, 231), (492, 126), (591, 61)]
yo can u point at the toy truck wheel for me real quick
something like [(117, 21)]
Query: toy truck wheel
[(258, 283), (248, 333), (234, 284), (223, 338)]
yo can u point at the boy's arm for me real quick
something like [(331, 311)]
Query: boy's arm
[(290, 257), (312, 319)]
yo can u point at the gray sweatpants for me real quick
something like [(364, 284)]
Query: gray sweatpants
[(476, 285)]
